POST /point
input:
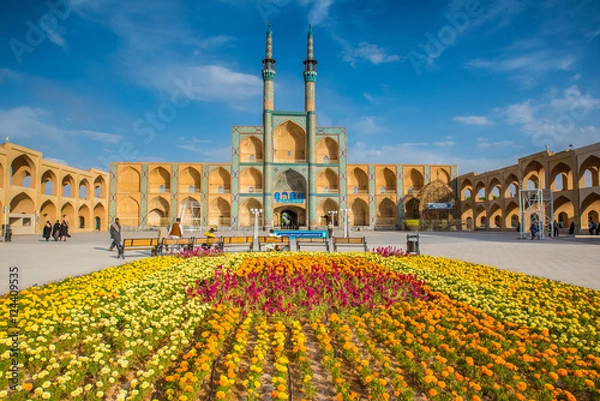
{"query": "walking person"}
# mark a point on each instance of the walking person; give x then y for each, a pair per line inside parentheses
(56, 230)
(64, 231)
(591, 226)
(115, 234)
(47, 232)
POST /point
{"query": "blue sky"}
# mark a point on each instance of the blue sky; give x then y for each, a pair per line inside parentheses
(467, 82)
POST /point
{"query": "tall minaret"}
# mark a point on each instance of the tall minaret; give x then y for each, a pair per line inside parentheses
(310, 79)
(268, 73)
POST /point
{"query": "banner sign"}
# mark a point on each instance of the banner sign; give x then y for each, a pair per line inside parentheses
(301, 234)
(289, 200)
(446, 205)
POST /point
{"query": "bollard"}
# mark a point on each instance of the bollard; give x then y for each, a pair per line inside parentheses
(412, 244)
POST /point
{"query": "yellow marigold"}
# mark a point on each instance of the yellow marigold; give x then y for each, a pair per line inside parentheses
(432, 392)
(220, 395)
(522, 386)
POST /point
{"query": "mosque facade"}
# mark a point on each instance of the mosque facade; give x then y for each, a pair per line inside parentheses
(292, 171)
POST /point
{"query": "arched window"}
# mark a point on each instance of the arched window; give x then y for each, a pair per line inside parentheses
(191, 188)
(292, 195)
(284, 195)
(251, 158)
(161, 188)
(221, 189)
(98, 192)
(326, 189)
(251, 189)
(326, 159)
(355, 190)
(301, 195)
(382, 190)
(277, 196)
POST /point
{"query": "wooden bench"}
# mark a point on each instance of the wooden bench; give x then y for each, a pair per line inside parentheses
(175, 243)
(140, 244)
(355, 242)
(278, 242)
(312, 242)
(207, 243)
(231, 242)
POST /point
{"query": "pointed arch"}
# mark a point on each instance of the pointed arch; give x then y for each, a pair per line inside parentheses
(495, 219)
(158, 212)
(495, 189)
(589, 172)
(359, 213)
(99, 187)
(440, 173)
(358, 181)
(512, 215)
(590, 207)
(159, 180)
(22, 204)
(466, 190)
(67, 213)
(291, 180)
(246, 216)
(323, 209)
(22, 169)
(99, 216)
(219, 213)
(467, 216)
(68, 186)
(251, 150)
(511, 183)
(387, 213)
(327, 181)
(327, 151)
(129, 180)
(562, 177)
(190, 180)
(84, 189)
(412, 209)
(385, 181)
(128, 211)
(289, 143)
(481, 220)
(413, 180)
(534, 173)
(480, 191)
(48, 182)
(84, 218)
(251, 180)
(48, 212)
(219, 181)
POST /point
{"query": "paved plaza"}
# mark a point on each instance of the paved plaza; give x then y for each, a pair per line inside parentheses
(568, 259)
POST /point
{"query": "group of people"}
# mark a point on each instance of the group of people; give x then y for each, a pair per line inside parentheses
(593, 228)
(58, 231)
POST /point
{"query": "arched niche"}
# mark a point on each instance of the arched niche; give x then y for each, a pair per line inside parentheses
(48, 212)
(67, 213)
(99, 187)
(386, 179)
(535, 172)
(413, 180)
(246, 217)
(589, 172)
(22, 204)
(190, 180)
(128, 211)
(387, 213)
(48, 182)
(84, 218)
(219, 181)
(159, 180)
(289, 144)
(251, 180)
(440, 173)
(158, 212)
(327, 151)
(359, 213)
(68, 186)
(358, 181)
(327, 181)
(251, 150)
(128, 180)
(84, 189)
(323, 209)
(22, 169)
(99, 216)
(219, 212)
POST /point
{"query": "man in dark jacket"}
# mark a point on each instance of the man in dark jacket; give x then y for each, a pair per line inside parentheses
(115, 234)
(47, 230)
(56, 230)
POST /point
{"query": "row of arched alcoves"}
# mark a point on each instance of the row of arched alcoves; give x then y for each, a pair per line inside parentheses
(50, 181)
(219, 211)
(129, 180)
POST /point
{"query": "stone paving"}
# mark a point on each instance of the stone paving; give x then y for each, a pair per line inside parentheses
(568, 259)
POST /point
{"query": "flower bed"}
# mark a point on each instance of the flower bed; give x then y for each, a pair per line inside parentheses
(304, 326)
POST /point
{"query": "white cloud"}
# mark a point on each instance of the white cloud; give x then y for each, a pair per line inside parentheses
(483, 143)
(57, 39)
(31, 123)
(371, 99)
(532, 62)
(577, 77)
(473, 120)
(319, 10)
(444, 144)
(366, 125)
(204, 83)
(370, 52)
(594, 34)
(557, 121)
(59, 161)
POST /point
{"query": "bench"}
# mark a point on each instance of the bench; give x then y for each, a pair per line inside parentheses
(140, 244)
(207, 243)
(231, 242)
(276, 242)
(355, 242)
(312, 242)
(175, 243)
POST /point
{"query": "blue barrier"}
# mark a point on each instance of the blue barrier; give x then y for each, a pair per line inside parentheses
(301, 233)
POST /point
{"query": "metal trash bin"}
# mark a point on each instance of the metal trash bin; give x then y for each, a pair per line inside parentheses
(412, 244)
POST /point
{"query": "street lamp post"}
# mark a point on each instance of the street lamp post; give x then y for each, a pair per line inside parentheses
(256, 213)
(344, 216)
